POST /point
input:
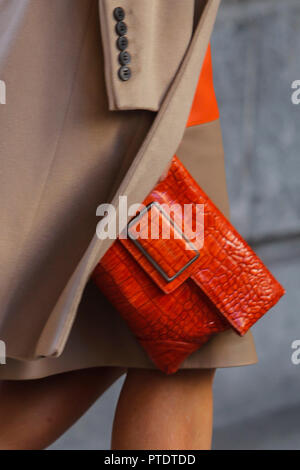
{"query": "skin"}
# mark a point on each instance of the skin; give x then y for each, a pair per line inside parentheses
(156, 411)
(34, 414)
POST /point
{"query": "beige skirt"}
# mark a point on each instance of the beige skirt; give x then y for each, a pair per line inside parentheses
(62, 154)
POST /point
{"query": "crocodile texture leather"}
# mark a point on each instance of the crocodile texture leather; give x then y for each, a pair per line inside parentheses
(226, 286)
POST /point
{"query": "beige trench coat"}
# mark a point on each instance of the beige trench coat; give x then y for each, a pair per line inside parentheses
(73, 135)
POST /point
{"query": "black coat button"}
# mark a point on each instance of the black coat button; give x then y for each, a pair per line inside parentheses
(121, 28)
(124, 73)
(124, 58)
(122, 43)
(119, 14)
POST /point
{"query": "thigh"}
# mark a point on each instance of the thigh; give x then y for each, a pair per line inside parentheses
(33, 414)
(156, 411)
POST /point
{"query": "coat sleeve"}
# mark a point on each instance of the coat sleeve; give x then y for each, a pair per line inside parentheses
(158, 34)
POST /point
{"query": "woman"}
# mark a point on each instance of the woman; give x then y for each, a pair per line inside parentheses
(84, 123)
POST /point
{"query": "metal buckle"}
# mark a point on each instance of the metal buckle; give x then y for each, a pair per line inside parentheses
(146, 254)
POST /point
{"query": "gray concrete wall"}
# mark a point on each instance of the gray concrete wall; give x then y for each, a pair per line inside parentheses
(256, 48)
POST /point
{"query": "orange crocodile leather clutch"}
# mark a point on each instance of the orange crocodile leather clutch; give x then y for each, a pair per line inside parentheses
(176, 292)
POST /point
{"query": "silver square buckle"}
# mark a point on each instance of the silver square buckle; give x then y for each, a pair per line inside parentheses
(146, 254)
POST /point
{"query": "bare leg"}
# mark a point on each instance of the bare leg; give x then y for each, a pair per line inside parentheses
(33, 414)
(156, 411)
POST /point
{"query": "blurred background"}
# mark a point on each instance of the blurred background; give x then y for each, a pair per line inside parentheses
(256, 48)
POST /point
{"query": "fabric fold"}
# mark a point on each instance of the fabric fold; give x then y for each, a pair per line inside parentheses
(150, 162)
